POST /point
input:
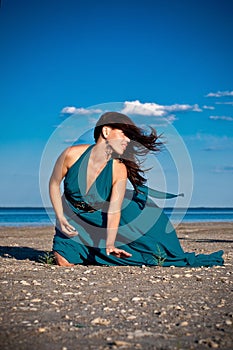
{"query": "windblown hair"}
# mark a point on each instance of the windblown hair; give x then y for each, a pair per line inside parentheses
(141, 144)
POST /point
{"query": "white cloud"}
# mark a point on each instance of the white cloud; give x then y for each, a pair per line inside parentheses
(136, 107)
(195, 108)
(225, 103)
(212, 148)
(154, 109)
(223, 117)
(224, 169)
(70, 141)
(68, 110)
(220, 94)
(208, 107)
(209, 142)
(184, 107)
(80, 111)
(163, 113)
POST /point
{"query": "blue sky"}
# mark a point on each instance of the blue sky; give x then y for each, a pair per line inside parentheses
(162, 59)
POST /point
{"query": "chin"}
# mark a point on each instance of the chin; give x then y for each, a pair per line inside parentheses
(118, 148)
(120, 151)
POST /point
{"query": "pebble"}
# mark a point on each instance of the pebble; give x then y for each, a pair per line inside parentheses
(36, 283)
(162, 313)
(224, 279)
(121, 343)
(41, 330)
(24, 283)
(228, 322)
(132, 317)
(209, 342)
(138, 333)
(205, 307)
(213, 344)
(220, 305)
(136, 299)
(180, 308)
(115, 299)
(188, 275)
(100, 321)
(108, 309)
(157, 296)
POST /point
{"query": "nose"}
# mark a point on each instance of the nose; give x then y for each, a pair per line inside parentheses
(127, 139)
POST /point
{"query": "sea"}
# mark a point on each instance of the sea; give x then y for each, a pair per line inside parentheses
(45, 216)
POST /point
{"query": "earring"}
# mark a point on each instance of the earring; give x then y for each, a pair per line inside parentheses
(108, 149)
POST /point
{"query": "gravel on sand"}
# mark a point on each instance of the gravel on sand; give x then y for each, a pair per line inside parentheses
(47, 307)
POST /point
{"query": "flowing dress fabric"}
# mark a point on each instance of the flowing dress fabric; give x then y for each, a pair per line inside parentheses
(144, 230)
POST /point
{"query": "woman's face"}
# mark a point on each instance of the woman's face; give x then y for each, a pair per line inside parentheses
(117, 140)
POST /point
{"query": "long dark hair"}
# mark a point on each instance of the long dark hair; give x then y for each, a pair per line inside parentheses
(140, 145)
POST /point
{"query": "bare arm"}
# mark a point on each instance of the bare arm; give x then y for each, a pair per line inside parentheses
(114, 211)
(61, 167)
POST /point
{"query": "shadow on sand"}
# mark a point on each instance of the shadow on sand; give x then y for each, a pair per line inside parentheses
(21, 253)
(206, 240)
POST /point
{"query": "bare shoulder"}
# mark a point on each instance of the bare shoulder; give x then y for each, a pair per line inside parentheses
(119, 170)
(73, 153)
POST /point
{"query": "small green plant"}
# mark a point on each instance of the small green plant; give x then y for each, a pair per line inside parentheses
(159, 256)
(47, 258)
(79, 325)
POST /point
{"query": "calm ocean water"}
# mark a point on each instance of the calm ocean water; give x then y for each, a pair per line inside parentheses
(42, 217)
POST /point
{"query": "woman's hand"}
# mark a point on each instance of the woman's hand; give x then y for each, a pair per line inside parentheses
(119, 253)
(66, 228)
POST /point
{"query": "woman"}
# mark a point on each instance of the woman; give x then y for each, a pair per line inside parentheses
(101, 222)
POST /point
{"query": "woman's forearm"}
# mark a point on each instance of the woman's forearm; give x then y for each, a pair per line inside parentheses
(55, 197)
(112, 228)
(63, 224)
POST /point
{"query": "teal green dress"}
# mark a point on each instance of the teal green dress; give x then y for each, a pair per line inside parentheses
(144, 230)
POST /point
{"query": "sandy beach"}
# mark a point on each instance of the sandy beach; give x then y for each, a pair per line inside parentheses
(44, 306)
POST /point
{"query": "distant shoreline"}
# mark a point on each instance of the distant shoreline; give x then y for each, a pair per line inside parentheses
(40, 216)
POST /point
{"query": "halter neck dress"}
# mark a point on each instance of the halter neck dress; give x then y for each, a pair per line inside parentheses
(144, 230)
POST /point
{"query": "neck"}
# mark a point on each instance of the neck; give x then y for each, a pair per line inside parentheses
(101, 151)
